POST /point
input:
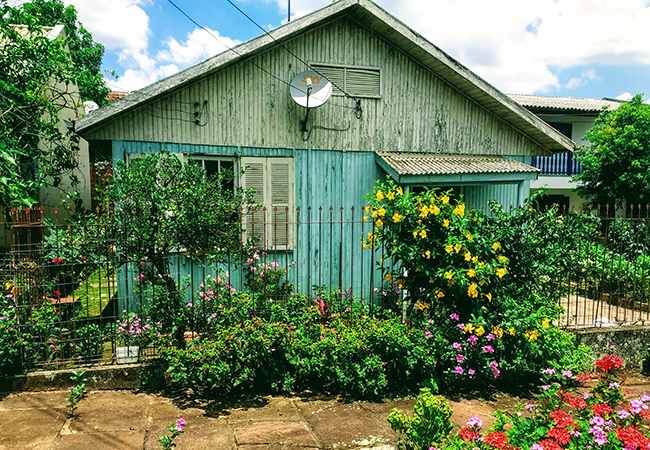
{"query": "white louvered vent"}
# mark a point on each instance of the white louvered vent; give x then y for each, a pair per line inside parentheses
(362, 82)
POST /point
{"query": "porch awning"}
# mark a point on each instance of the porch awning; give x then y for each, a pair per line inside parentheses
(428, 168)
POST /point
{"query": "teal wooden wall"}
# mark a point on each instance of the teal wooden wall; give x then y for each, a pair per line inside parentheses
(330, 190)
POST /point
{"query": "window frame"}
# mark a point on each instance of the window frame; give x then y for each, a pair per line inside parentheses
(318, 66)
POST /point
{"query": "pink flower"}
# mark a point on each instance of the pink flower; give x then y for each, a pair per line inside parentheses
(471, 371)
(456, 346)
(459, 370)
(488, 349)
(454, 316)
(428, 334)
(474, 422)
(460, 358)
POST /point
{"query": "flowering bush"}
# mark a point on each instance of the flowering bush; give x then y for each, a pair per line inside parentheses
(563, 419)
(135, 331)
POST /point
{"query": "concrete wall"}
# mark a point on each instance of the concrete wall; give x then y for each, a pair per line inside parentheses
(631, 342)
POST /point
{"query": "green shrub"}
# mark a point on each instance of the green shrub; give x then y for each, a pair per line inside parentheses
(89, 340)
(428, 427)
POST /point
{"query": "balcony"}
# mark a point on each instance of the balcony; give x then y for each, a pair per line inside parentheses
(563, 164)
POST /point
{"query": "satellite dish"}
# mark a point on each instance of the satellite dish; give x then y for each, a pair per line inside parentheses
(90, 106)
(310, 89)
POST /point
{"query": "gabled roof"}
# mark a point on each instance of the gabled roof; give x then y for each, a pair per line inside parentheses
(542, 104)
(369, 15)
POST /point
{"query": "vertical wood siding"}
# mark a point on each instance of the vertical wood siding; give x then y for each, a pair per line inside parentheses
(247, 107)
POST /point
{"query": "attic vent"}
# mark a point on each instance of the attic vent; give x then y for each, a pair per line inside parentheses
(362, 82)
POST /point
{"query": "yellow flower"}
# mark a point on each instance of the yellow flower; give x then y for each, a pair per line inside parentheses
(481, 265)
(498, 332)
(502, 259)
(379, 222)
(449, 248)
(459, 210)
(445, 223)
(372, 236)
(531, 335)
(397, 217)
(388, 277)
(427, 254)
(468, 256)
(423, 234)
(458, 247)
(512, 331)
(365, 218)
(449, 274)
(400, 282)
(475, 259)
(363, 245)
(481, 283)
(381, 212)
(422, 306)
(469, 328)
(435, 210)
(480, 331)
(381, 260)
(431, 281)
(469, 237)
(399, 190)
(415, 233)
(375, 213)
(445, 200)
(418, 269)
(471, 273)
(488, 296)
(424, 211)
(501, 271)
(419, 222)
(390, 195)
(496, 246)
(439, 294)
(7, 286)
(367, 209)
(472, 290)
(380, 196)
(432, 200)
(545, 324)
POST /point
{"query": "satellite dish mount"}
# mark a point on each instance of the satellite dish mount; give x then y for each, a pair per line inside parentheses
(310, 90)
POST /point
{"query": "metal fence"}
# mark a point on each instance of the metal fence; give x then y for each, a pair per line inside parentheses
(68, 291)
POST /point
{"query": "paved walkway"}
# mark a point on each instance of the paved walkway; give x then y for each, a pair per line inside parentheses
(128, 420)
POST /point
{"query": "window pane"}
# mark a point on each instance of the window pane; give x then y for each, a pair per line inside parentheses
(211, 167)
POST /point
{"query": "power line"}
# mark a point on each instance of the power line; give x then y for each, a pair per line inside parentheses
(290, 52)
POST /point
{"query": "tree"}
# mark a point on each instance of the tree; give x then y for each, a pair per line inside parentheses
(38, 79)
(85, 52)
(616, 164)
(162, 206)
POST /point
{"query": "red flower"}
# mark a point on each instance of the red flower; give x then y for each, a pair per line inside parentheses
(550, 444)
(609, 362)
(497, 439)
(577, 403)
(57, 294)
(601, 409)
(83, 259)
(57, 261)
(559, 434)
(562, 419)
(467, 434)
(632, 438)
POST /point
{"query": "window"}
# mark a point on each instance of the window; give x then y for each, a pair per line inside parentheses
(362, 82)
(273, 181)
(213, 165)
(564, 128)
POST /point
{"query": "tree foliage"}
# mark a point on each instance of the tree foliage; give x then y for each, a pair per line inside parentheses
(38, 79)
(616, 164)
(86, 54)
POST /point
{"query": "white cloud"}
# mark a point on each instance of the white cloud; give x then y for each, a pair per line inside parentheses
(117, 24)
(625, 97)
(519, 46)
(200, 45)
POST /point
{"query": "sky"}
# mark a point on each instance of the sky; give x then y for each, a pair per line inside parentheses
(569, 48)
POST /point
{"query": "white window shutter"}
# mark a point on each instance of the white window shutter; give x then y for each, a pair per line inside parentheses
(254, 220)
(281, 210)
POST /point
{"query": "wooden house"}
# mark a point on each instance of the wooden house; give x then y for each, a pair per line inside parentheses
(400, 106)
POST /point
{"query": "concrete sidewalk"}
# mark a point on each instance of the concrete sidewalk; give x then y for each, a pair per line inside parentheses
(129, 420)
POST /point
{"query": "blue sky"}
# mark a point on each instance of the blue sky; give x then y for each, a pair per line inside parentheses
(573, 48)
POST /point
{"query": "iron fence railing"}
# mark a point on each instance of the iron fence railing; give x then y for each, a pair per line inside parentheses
(559, 164)
(68, 290)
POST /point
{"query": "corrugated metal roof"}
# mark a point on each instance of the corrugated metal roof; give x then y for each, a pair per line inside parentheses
(564, 103)
(442, 164)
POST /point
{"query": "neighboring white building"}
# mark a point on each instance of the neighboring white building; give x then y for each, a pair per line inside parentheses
(571, 117)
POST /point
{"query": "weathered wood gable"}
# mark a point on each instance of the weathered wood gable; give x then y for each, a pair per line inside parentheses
(248, 104)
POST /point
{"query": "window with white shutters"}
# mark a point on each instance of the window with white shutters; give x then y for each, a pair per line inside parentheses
(270, 224)
(363, 82)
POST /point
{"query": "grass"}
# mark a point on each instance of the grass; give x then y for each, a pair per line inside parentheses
(95, 292)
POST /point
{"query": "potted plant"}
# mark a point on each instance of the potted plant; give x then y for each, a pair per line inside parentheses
(132, 333)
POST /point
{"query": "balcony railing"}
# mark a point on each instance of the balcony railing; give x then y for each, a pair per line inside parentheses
(560, 164)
